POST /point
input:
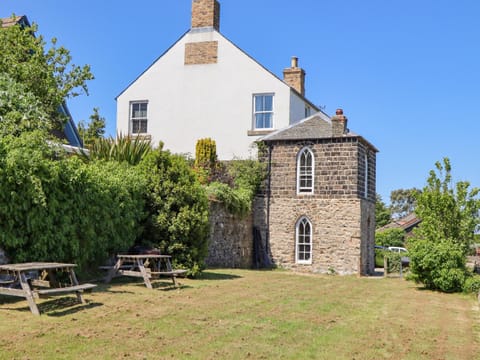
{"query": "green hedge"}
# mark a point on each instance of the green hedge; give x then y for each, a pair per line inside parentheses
(57, 208)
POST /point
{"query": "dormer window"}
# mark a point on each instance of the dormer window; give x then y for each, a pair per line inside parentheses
(263, 111)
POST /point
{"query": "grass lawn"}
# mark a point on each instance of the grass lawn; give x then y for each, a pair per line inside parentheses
(242, 314)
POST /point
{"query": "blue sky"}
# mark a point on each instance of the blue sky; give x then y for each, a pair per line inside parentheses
(406, 73)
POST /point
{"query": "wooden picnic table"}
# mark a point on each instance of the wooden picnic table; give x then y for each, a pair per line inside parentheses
(35, 279)
(146, 266)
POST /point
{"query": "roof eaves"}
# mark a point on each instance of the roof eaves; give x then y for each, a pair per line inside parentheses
(153, 63)
(283, 82)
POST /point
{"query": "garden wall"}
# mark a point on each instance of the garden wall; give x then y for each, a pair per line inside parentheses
(231, 239)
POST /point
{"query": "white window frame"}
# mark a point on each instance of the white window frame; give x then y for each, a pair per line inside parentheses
(255, 112)
(302, 172)
(300, 240)
(131, 119)
(308, 111)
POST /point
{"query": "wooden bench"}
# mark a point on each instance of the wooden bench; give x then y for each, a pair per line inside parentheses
(172, 273)
(64, 290)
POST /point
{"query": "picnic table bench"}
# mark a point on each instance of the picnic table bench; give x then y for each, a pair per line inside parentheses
(145, 266)
(18, 281)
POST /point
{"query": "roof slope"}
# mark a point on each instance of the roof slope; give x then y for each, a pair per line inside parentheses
(317, 126)
(206, 29)
(14, 20)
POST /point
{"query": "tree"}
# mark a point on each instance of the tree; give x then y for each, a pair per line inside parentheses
(46, 74)
(402, 202)
(450, 216)
(95, 129)
(382, 213)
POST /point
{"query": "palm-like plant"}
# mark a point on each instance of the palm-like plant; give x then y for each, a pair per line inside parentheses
(123, 148)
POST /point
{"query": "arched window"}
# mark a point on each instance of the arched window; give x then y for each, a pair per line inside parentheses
(303, 241)
(305, 171)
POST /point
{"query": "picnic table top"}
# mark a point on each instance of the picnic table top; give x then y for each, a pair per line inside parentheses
(35, 266)
(143, 256)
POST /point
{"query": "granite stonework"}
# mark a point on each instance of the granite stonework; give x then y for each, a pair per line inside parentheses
(341, 209)
(231, 239)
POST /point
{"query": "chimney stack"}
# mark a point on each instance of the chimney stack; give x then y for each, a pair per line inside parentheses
(295, 76)
(206, 13)
(339, 124)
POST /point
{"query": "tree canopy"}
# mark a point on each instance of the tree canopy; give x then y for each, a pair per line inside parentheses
(93, 130)
(45, 75)
(450, 216)
(403, 202)
(382, 212)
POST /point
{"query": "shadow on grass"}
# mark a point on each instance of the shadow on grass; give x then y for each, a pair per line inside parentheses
(208, 275)
(56, 307)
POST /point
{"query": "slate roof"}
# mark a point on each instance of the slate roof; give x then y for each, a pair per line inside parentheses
(317, 126)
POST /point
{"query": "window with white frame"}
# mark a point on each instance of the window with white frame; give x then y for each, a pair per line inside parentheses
(303, 241)
(308, 111)
(263, 111)
(305, 171)
(138, 117)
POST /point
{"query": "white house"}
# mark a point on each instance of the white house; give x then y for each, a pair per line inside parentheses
(205, 86)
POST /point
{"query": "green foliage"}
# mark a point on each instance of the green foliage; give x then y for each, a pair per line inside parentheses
(92, 131)
(438, 265)
(57, 208)
(472, 284)
(205, 153)
(440, 244)
(394, 261)
(45, 73)
(20, 110)
(390, 237)
(247, 177)
(382, 213)
(447, 211)
(178, 210)
(403, 202)
(237, 201)
(121, 149)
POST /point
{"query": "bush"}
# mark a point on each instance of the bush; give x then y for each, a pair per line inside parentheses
(177, 209)
(472, 284)
(56, 208)
(390, 237)
(438, 265)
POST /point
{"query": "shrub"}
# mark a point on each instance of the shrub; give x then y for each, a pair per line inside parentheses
(177, 209)
(205, 153)
(438, 265)
(472, 284)
(390, 237)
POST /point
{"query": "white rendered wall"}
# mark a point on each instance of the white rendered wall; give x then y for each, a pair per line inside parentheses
(189, 102)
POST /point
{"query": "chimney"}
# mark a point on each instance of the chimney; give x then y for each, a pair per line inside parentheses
(339, 124)
(295, 76)
(206, 13)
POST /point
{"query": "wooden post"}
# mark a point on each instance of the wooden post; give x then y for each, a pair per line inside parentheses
(385, 266)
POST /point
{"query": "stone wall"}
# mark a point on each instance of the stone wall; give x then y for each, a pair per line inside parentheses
(342, 218)
(231, 239)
